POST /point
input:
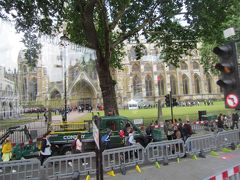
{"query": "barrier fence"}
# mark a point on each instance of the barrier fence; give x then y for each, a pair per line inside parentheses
(21, 169)
(226, 138)
(204, 143)
(171, 149)
(62, 167)
(128, 156)
(232, 173)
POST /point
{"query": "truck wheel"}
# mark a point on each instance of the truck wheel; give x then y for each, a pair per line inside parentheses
(66, 151)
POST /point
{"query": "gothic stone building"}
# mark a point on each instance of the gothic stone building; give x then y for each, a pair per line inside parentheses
(9, 102)
(146, 80)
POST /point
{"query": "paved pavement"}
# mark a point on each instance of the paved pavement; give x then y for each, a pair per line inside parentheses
(187, 169)
(73, 116)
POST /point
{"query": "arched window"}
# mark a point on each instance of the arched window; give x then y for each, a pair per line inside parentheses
(195, 65)
(137, 86)
(55, 94)
(136, 68)
(172, 67)
(25, 69)
(185, 85)
(9, 91)
(24, 92)
(209, 83)
(197, 84)
(173, 84)
(33, 89)
(160, 67)
(161, 85)
(132, 53)
(147, 67)
(184, 66)
(148, 83)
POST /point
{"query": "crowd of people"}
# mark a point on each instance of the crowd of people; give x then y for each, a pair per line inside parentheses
(223, 121)
(175, 129)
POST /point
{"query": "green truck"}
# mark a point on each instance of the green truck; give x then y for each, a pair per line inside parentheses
(63, 134)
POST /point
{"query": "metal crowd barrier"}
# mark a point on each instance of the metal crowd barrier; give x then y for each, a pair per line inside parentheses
(226, 138)
(61, 167)
(128, 156)
(20, 170)
(171, 149)
(198, 127)
(196, 144)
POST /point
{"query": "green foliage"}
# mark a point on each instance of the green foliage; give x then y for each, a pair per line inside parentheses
(113, 21)
(33, 48)
(208, 58)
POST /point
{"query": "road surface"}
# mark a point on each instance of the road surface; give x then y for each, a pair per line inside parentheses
(187, 169)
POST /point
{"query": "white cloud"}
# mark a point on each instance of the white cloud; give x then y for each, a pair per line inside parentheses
(10, 45)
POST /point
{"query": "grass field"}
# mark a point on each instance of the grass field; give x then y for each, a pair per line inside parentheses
(184, 113)
(148, 115)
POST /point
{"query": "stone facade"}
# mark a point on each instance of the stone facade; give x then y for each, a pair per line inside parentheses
(9, 102)
(146, 80)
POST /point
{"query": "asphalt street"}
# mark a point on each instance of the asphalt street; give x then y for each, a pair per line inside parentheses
(186, 169)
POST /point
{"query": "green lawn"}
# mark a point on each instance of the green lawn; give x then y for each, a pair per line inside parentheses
(148, 115)
(184, 113)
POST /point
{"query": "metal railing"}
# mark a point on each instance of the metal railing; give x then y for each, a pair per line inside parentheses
(171, 149)
(204, 143)
(20, 170)
(129, 156)
(57, 167)
(62, 167)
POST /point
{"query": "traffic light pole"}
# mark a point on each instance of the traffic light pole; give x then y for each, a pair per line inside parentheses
(171, 105)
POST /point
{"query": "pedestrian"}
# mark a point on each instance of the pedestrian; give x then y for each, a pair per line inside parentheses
(235, 119)
(77, 147)
(220, 122)
(45, 148)
(105, 139)
(132, 141)
(45, 116)
(7, 150)
(187, 130)
(122, 136)
(126, 132)
(168, 129)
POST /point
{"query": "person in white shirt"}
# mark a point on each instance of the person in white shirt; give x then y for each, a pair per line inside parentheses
(46, 148)
(132, 141)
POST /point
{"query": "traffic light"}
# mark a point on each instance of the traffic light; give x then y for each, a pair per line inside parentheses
(167, 100)
(229, 80)
(174, 102)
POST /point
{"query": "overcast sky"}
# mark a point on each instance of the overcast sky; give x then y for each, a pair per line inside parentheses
(9, 45)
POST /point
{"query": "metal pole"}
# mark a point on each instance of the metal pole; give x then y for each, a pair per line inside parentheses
(65, 83)
(171, 105)
(65, 95)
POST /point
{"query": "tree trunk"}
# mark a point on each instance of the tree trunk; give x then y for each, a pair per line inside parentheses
(107, 87)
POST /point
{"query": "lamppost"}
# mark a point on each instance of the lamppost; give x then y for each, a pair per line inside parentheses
(64, 43)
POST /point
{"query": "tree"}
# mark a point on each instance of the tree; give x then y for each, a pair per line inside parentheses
(104, 25)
